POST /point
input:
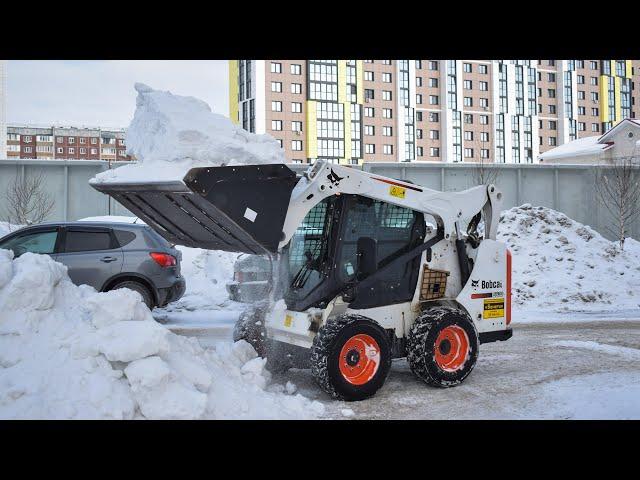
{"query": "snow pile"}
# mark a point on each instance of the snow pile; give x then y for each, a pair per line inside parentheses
(206, 274)
(561, 264)
(170, 134)
(71, 352)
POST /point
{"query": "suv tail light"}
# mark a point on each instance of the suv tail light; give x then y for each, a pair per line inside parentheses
(164, 259)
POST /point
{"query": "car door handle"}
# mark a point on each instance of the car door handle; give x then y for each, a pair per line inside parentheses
(108, 259)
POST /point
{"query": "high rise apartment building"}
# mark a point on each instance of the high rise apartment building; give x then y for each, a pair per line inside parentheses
(350, 111)
(69, 143)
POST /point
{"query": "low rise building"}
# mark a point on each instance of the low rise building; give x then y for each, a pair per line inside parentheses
(66, 143)
(621, 141)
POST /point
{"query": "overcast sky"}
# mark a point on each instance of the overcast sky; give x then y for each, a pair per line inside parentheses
(100, 93)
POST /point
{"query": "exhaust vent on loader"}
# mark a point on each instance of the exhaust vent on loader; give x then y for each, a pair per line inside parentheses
(434, 284)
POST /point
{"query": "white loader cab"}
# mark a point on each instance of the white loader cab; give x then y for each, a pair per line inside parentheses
(365, 268)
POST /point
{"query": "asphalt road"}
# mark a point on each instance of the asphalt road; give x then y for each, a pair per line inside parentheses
(576, 369)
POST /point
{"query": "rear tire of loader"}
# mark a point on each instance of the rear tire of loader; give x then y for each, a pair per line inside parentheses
(442, 346)
(350, 357)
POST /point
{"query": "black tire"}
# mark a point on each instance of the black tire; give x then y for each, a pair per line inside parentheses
(439, 356)
(250, 327)
(146, 294)
(326, 358)
(280, 356)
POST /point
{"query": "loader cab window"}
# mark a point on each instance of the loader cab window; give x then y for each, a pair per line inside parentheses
(308, 249)
(396, 231)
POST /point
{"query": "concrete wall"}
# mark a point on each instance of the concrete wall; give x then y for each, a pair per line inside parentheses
(567, 188)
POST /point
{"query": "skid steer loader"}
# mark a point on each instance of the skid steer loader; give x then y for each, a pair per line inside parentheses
(365, 268)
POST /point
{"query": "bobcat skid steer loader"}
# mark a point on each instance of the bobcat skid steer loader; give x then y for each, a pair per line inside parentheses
(365, 268)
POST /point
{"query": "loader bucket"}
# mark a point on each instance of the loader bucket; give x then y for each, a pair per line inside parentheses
(235, 209)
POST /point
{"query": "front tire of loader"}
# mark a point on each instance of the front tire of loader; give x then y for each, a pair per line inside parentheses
(250, 327)
(442, 346)
(350, 357)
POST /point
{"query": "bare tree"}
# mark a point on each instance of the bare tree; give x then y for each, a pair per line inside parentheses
(484, 171)
(27, 201)
(617, 187)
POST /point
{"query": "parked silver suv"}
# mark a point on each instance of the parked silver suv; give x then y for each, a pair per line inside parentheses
(107, 256)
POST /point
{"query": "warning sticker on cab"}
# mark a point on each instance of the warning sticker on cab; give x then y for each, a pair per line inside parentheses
(493, 308)
(396, 191)
(288, 321)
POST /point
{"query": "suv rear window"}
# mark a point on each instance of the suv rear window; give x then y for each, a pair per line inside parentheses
(79, 241)
(124, 237)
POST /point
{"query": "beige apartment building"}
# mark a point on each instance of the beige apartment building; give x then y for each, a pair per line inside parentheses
(354, 111)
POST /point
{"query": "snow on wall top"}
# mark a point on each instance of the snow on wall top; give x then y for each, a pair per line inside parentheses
(170, 134)
(582, 146)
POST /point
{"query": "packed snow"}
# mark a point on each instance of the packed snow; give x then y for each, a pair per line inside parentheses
(562, 265)
(576, 148)
(170, 134)
(67, 351)
(112, 218)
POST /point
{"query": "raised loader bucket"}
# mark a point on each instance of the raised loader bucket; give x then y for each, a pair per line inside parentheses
(236, 209)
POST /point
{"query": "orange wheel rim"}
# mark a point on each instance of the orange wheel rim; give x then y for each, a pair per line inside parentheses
(452, 348)
(359, 359)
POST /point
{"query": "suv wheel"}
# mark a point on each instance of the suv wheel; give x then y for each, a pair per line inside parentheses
(147, 296)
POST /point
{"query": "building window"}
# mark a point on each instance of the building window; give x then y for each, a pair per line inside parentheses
(387, 149)
(419, 116)
(553, 141)
(468, 102)
(483, 69)
(467, 68)
(552, 109)
(296, 88)
(296, 69)
(433, 82)
(94, 151)
(418, 133)
(418, 99)
(276, 106)
(387, 131)
(276, 124)
(28, 149)
(468, 135)
(369, 148)
(419, 151)
(484, 102)
(582, 126)
(433, 65)
(434, 152)
(434, 134)
(594, 96)
(467, 84)
(369, 130)
(551, 92)
(387, 113)
(59, 139)
(276, 67)
(418, 81)
(468, 152)
(72, 151)
(580, 79)
(484, 153)
(296, 126)
(296, 145)
(484, 86)
(593, 64)
(59, 150)
(94, 141)
(296, 107)
(468, 118)
(386, 95)
(83, 140)
(83, 151)
(369, 112)
(434, 100)
(553, 125)
(551, 77)
(368, 76)
(419, 64)
(369, 94)
(484, 136)
(594, 81)
(581, 111)
(27, 139)
(276, 87)
(595, 127)
(386, 62)
(386, 77)
(434, 117)
(484, 119)
(595, 112)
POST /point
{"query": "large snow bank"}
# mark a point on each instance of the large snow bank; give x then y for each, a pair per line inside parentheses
(561, 264)
(71, 352)
(170, 134)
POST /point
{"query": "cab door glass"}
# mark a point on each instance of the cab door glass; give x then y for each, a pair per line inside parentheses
(37, 242)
